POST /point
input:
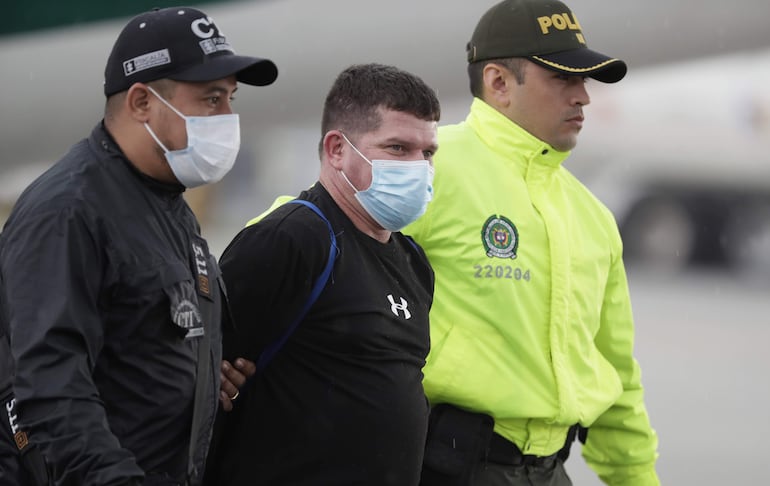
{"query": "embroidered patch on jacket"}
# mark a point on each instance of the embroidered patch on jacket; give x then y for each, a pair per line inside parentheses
(186, 315)
(500, 237)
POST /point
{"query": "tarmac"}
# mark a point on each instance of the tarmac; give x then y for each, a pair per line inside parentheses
(702, 340)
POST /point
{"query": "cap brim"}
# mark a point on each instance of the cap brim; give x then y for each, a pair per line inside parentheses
(249, 70)
(583, 62)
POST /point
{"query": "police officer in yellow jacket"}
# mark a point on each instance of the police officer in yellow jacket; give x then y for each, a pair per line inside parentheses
(531, 327)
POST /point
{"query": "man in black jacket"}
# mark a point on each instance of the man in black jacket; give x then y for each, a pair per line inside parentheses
(111, 297)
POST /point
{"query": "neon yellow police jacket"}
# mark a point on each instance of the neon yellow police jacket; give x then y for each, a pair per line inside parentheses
(531, 321)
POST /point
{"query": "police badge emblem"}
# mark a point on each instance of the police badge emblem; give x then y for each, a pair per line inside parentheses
(500, 237)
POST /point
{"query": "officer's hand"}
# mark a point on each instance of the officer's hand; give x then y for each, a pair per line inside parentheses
(233, 378)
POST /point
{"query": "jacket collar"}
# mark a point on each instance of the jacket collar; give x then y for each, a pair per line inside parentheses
(512, 142)
(101, 139)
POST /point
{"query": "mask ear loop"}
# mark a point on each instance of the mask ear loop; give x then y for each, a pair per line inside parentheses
(155, 137)
(349, 183)
(146, 126)
(150, 88)
(359, 153)
(354, 148)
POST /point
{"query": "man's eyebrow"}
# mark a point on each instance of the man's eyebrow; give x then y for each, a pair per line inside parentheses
(218, 89)
(398, 140)
(407, 143)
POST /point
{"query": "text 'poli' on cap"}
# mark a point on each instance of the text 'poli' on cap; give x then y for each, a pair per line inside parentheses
(546, 32)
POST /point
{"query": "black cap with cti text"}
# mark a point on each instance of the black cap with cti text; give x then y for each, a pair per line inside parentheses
(544, 31)
(182, 44)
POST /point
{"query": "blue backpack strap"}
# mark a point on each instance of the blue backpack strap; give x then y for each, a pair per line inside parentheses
(270, 351)
(412, 242)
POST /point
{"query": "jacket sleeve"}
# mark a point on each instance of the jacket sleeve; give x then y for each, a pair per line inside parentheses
(621, 446)
(9, 453)
(52, 266)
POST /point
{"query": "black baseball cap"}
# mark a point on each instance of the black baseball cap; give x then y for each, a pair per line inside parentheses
(544, 31)
(179, 43)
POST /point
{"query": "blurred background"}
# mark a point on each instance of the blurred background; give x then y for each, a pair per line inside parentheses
(677, 150)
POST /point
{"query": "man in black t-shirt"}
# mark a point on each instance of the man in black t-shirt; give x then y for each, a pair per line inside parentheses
(341, 402)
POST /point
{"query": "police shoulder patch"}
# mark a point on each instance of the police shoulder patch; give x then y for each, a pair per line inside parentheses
(500, 237)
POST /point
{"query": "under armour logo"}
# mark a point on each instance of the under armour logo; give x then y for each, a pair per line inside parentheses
(394, 307)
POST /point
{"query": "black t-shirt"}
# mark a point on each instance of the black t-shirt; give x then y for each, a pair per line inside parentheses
(342, 402)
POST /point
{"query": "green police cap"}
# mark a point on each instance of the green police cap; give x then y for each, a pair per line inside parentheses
(544, 31)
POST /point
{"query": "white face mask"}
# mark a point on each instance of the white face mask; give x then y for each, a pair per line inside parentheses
(212, 146)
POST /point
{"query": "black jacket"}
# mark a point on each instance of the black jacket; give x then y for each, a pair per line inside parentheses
(106, 285)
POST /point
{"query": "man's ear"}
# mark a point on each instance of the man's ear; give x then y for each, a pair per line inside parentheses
(497, 84)
(137, 102)
(333, 147)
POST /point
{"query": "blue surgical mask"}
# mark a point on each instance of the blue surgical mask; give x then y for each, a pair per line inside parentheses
(399, 193)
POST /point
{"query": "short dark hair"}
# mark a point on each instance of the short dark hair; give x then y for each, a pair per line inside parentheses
(475, 72)
(360, 90)
(164, 87)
